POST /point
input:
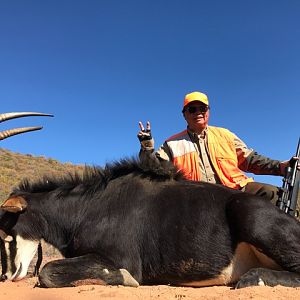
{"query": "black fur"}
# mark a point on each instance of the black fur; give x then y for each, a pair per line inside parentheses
(148, 220)
(97, 178)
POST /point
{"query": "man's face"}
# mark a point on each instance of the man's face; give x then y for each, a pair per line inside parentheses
(196, 115)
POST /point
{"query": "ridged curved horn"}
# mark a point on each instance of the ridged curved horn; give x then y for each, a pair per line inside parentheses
(7, 133)
(14, 115)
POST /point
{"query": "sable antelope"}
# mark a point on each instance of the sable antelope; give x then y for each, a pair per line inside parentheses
(133, 223)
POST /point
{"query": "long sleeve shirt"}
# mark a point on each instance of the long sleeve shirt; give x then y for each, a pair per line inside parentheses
(248, 159)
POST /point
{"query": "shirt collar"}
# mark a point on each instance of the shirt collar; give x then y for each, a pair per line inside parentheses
(196, 136)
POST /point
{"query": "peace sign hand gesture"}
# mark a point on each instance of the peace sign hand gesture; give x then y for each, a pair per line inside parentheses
(145, 137)
(144, 134)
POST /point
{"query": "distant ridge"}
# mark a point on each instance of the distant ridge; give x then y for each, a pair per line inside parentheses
(15, 166)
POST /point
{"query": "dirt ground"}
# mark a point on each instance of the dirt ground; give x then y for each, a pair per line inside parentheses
(25, 290)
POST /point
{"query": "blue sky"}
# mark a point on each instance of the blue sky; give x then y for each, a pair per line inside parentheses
(102, 66)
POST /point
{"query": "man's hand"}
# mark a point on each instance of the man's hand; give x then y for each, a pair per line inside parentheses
(144, 134)
(145, 137)
(289, 163)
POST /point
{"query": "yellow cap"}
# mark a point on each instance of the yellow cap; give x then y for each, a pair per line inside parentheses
(195, 96)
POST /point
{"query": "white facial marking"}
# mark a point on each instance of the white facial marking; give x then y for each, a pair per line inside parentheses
(25, 251)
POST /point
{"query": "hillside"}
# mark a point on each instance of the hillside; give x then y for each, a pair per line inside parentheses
(15, 166)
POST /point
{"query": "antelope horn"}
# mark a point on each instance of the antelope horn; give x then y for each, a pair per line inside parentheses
(7, 133)
(14, 115)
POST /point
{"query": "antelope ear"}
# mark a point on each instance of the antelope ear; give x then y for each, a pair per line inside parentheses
(14, 204)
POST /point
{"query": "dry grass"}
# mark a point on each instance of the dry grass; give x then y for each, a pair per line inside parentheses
(15, 166)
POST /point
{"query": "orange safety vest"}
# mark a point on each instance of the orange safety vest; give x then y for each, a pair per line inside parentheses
(222, 154)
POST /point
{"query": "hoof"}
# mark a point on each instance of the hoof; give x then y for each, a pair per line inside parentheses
(128, 280)
(251, 278)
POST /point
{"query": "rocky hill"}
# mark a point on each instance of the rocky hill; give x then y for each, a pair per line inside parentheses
(15, 166)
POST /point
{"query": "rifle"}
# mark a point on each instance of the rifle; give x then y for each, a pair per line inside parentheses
(288, 195)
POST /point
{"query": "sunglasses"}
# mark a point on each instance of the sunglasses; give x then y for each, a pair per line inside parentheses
(193, 109)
